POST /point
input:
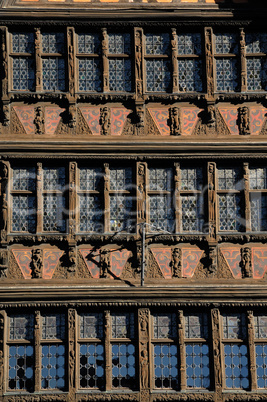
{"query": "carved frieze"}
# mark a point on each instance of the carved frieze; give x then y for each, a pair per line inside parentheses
(3, 263)
(16, 127)
(151, 127)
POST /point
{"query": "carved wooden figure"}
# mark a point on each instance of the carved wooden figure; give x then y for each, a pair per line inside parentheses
(212, 259)
(4, 55)
(247, 196)
(246, 264)
(104, 263)
(38, 59)
(181, 333)
(71, 62)
(174, 60)
(244, 120)
(72, 259)
(175, 125)
(243, 60)
(138, 62)
(3, 263)
(4, 217)
(105, 60)
(105, 120)
(37, 340)
(212, 200)
(176, 263)
(39, 120)
(37, 263)
(209, 61)
(141, 191)
(251, 350)
(143, 319)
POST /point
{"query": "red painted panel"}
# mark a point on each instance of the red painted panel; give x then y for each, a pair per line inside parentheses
(92, 260)
(161, 117)
(51, 259)
(26, 117)
(230, 117)
(190, 260)
(259, 262)
(52, 118)
(24, 258)
(92, 116)
(118, 118)
(163, 257)
(233, 258)
(257, 118)
(189, 120)
(118, 259)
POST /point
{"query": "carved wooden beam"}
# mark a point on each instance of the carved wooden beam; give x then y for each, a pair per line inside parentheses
(72, 199)
(251, 350)
(143, 332)
(181, 352)
(37, 345)
(108, 358)
(217, 358)
(38, 60)
(212, 200)
(141, 177)
(243, 61)
(209, 61)
(72, 354)
(105, 60)
(139, 65)
(174, 61)
(71, 62)
(246, 196)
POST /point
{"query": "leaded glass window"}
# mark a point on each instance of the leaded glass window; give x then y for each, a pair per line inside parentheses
(53, 62)
(158, 67)
(235, 351)
(89, 65)
(260, 331)
(256, 50)
(120, 70)
(189, 62)
(258, 198)
(23, 66)
(226, 64)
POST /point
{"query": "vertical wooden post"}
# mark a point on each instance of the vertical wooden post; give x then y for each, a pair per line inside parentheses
(108, 357)
(243, 60)
(174, 61)
(141, 195)
(144, 377)
(251, 350)
(138, 45)
(246, 196)
(38, 59)
(212, 200)
(209, 62)
(71, 62)
(105, 60)
(4, 71)
(72, 353)
(181, 352)
(72, 199)
(37, 350)
(217, 358)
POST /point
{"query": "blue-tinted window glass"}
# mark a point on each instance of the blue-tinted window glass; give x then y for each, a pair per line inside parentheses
(90, 75)
(119, 43)
(23, 42)
(123, 366)
(226, 75)
(258, 210)
(120, 75)
(165, 366)
(53, 42)
(189, 75)
(23, 213)
(236, 366)
(256, 74)
(53, 367)
(197, 365)
(89, 43)
(189, 44)
(161, 212)
(158, 75)
(160, 179)
(23, 74)
(92, 366)
(226, 43)
(256, 42)
(53, 74)
(157, 44)
(91, 216)
(261, 365)
(21, 368)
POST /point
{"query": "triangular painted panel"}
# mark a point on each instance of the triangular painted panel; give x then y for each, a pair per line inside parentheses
(230, 116)
(92, 260)
(118, 118)
(51, 259)
(52, 118)
(189, 120)
(26, 116)
(92, 116)
(259, 262)
(118, 259)
(163, 257)
(190, 260)
(257, 119)
(161, 117)
(233, 257)
(24, 258)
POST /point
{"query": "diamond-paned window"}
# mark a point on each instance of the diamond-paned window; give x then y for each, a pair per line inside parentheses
(122, 325)
(256, 50)
(226, 52)
(165, 325)
(89, 63)
(23, 65)
(53, 326)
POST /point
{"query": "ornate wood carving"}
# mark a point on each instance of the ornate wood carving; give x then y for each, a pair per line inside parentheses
(39, 120)
(175, 124)
(223, 271)
(106, 195)
(174, 61)
(143, 327)
(217, 359)
(141, 191)
(6, 114)
(4, 217)
(37, 263)
(244, 120)
(71, 329)
(246, 194)
(138, 34)
(37, 338)
(151, 128)
(243, 61)
(211, 116)
(212, 260)
(140, 113)
(181, 333)
(71, 62)
(105, 120)
(176, 263)
(177, 188)
(72, 116)
(153, 270)
(72, 199)
(105, 60)
(82, 126)
(4, 54)
(104, 263)
(14, 271)
(38, 59)
(2, 360)
(3, 263)
(62, 128)
(251, 348)
(39, 190)
(16, 127)
(72, 263)
(246, 264)
(82, 270)
(209, 61)
(212, 200)
(108, 350)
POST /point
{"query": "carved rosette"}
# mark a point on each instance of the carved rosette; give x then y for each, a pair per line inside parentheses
(105, 120)
(252, 356)
(215, 318)
(212, 199)
(244, 120)
(71, 330)
(181, 349)
(138, 35)
(141, 191)
(143, 327)
(176, 262)
(209, 61)
(39, 120)
(246, 263)
(71, 62)
(175, 121)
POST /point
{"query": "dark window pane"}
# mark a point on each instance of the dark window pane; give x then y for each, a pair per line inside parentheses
(165, 366)
(89, 43)
(22, 42)
(91, 213)
(192, 213)
(230, 179)
(120, 75)
(21, 327)
(158, 75)
(119, 43)
(23, 74)
(54, 178)
(197, 366)
(236, 366)
(191, 179)
(226, 75)
(189, 43)
(258, 210)
(91, 325)
(21, 368)
(53, 74)
(53, 367)
(165, 325)
(53, 217)
(123, 366)
(196, 325)
(234, 326)
(90, 75)
(160, 179)
(161, 212)
(157, 44)
(92, 366)
(189, 75)
(24, 179)
(261, 365)
(53, 42)
(122, 325)
(23, 213)
(53, 326)
(256, 74)
(226, 43)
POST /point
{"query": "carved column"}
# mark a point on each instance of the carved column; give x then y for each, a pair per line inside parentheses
(4, 63)
(251, 350)
(143, 328)
(104, 263)
(212, 200)
(217, 358)
(138, 35)
(71, 62)
(108, 358)
(209, 62)
(176, 262)
(39, 190)
(174, 61)
(243, 61)
(72, 352)
(5, 169)
(244, 120)
(72, 200)
(38, 59)
(246, 262)
(105, 60)
(39, 120)
(141, 191)
(177, 189)
(246, 196)
(175, 121)
(105, 120)
(2, 357)
(37, 342)
(106, 197)
(181, 350)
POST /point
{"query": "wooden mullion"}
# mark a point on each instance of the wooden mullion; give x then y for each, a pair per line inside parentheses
(107, 347)
(144, 355)
(37, 350)
(3, 351)
(105, 60)
(177, 195)
(38, 60)
(39, 198)
(181, 351)
(5, 64)
(106, 198)
(217, 353)
(141, 176)
(246, 196)
(175, 77)
(71, 61)
(209, 61)
(243, 61)
(72, 198)
(139, 62)
(212, 200)
(72, 369)
(251, 350)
